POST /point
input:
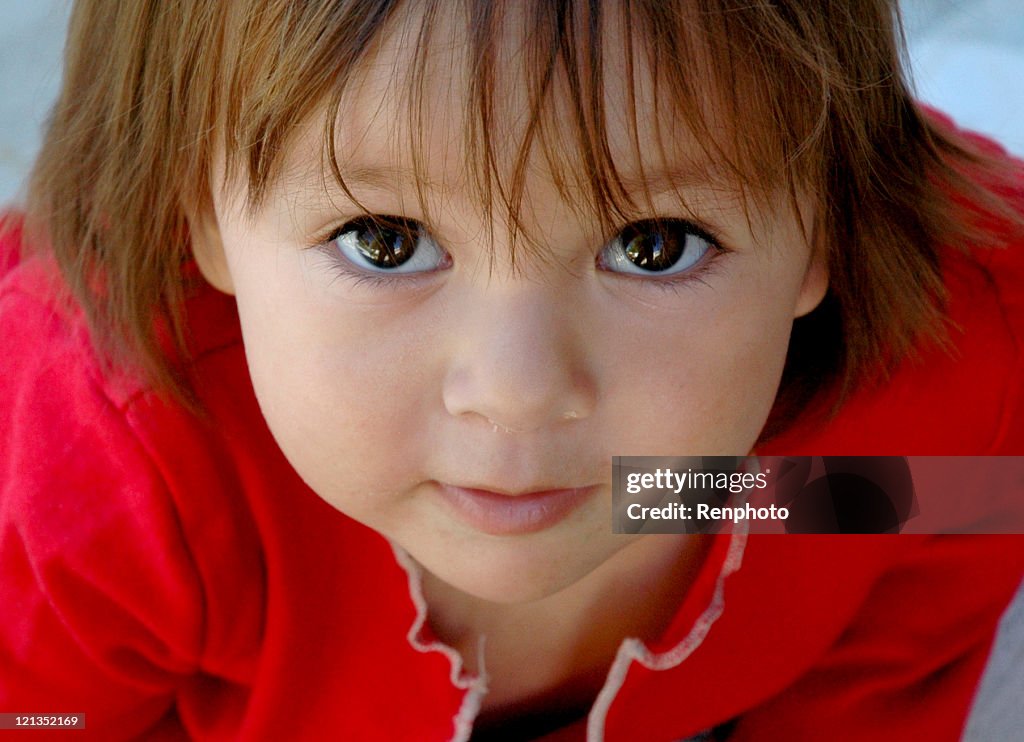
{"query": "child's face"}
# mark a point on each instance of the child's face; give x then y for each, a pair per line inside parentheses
(398, 394)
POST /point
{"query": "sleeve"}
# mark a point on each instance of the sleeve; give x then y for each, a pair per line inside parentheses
(102, 609)
(909, 666)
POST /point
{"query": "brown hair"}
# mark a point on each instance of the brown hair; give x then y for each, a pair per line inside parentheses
(809, 97)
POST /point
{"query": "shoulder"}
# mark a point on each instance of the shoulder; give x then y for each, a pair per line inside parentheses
(124, 524)
(89, 438)
(78, 481)
(85, 522)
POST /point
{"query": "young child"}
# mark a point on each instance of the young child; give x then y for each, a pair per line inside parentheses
(329, 317)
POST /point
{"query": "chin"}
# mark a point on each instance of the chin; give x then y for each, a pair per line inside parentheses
(511, 591)
(514, 573)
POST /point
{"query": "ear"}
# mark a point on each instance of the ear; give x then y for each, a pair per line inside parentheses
(208, 250)
(814, 286)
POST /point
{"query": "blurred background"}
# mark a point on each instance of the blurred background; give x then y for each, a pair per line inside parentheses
(967, 57)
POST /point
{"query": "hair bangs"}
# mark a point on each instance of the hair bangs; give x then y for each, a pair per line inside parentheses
(677, 73)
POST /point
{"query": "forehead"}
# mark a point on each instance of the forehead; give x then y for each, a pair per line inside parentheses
(447, 101)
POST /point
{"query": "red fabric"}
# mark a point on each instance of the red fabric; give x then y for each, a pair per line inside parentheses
(10, 242)
(169, 576)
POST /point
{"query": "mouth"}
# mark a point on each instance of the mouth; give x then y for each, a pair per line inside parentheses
(508, 514)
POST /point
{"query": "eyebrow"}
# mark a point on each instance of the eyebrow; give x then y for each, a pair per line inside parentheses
(379, 178)
(391, 179)
(657, 179)
(383, 177)
(660, 180)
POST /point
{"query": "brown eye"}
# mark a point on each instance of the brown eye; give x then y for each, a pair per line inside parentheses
(389, 244)
(656, 246)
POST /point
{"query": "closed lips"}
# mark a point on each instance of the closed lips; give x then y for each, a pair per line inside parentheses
(499, 513)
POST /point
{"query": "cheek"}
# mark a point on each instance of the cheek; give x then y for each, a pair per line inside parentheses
(703, 384)
(344, 394)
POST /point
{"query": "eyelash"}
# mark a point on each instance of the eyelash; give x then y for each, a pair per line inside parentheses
(697, 275)
(345, 270)
(706, 266)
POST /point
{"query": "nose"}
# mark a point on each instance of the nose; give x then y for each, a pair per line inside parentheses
(520, 363)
